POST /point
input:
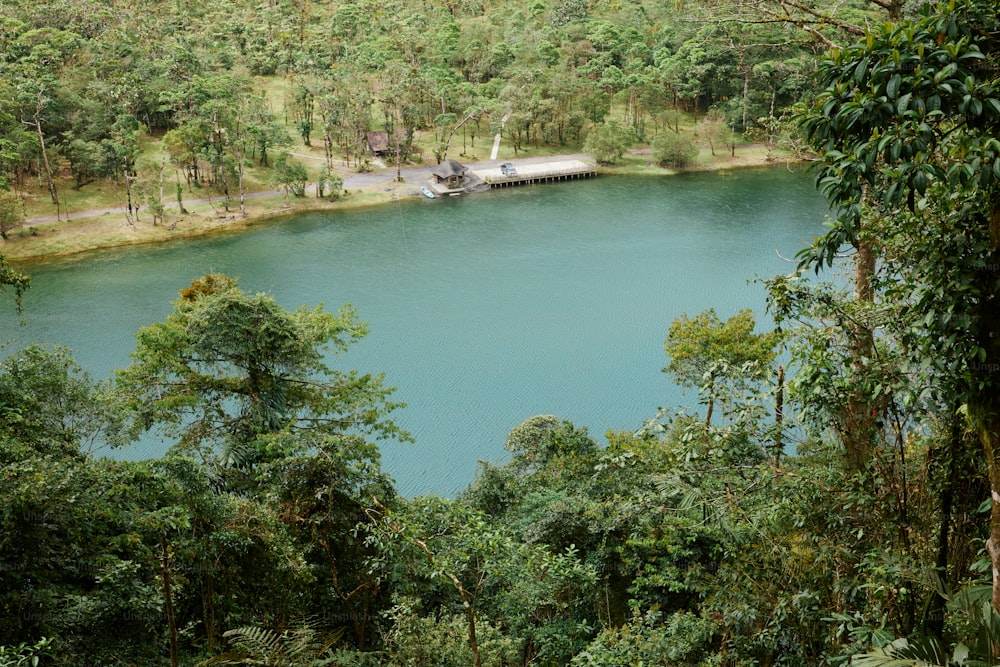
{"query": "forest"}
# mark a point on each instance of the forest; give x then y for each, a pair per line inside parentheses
(827, 500)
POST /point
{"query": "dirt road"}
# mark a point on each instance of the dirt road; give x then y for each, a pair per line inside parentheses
(415, 176)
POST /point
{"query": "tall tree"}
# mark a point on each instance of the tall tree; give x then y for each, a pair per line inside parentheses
(235, 371)
(704, 350)
(907, 123)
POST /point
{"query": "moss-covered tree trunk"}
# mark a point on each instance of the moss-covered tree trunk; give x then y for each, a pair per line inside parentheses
(858, 430)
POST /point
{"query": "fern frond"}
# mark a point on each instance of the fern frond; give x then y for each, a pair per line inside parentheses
(903, 653)
(263, 646)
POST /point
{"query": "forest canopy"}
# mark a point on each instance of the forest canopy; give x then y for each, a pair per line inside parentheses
(269, 533)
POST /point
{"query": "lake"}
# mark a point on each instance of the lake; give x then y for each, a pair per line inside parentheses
(484, 309)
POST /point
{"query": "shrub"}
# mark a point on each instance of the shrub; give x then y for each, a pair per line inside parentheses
(609, 142)
(673, 150)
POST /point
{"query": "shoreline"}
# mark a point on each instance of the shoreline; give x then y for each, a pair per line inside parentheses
(42, 239)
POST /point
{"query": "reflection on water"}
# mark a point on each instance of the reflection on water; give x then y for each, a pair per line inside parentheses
(484, 310)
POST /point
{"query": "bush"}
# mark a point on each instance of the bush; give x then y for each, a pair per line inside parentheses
(442, 640)
(682, 639)
(609, 142)
(673, 150)
(289, 174)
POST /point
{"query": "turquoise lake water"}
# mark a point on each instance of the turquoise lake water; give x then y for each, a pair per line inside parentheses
(484, 310)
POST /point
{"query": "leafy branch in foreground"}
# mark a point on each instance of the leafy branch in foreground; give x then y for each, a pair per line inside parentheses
(11, 278)
(983, 628)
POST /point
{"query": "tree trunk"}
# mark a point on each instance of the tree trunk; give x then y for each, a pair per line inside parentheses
(129, 210)
(168, 599)
(208, 607)
(158, 213)
(746, 92)
(711, 404)
(934, 624)
(779, 416)
(470, 614)
(858, 427)
(993, 543)
(45, 153)
(984, 408)
(180, 199)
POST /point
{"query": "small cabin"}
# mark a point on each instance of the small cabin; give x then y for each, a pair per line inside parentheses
(380, 143)
(451, 174)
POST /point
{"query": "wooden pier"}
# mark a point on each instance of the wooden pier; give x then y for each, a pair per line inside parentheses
(541, 172)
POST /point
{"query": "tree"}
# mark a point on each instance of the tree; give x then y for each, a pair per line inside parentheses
(11, 213)
(182, 144)
(609, 142)
(536, 441)
(85, 160)
(150, 175)
(236, 371)
(456, 548)
(48, 405)
(704, 349)
(120, 152)
(907, 125)
(670, 149)
(713, 128)
(290, 175)
(80, 570)
(328, 178)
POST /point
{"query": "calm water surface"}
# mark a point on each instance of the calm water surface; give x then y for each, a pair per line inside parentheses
(484, 310)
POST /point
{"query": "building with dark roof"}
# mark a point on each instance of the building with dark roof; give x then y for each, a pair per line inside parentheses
(451, 174)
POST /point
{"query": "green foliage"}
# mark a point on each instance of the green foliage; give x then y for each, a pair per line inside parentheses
(49, 406)
(10, 277)
(679, 543)
(24, 655)
(237, 371)
(11, 212)
(289, 174)
(713, 128)
(78, 571)
(538, 440)
(696, 344)
(907, 122)
(332, 180)
(670, 149)
(977, 648)
(719, 358)
(417, 639)
(609, 142)
(300, 647)
(682, 640)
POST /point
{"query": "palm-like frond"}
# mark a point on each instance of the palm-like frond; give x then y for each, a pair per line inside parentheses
(920, 652)
(974, 602)
(253, 645)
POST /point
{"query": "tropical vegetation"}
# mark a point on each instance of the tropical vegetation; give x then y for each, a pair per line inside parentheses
(827, 500)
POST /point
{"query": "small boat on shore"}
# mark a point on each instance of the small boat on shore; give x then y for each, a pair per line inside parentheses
(427, 192)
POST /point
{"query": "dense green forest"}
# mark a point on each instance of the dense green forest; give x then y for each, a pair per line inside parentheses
(827, 502)
(224, 89)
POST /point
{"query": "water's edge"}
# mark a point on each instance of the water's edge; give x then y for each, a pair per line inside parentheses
(484, 310)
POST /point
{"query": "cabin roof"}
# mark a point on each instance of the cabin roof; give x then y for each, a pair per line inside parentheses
(450, 169)
(378, 140)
